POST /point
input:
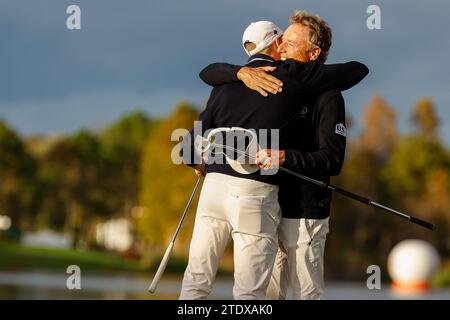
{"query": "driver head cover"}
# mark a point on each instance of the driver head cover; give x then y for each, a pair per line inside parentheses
(242, 164)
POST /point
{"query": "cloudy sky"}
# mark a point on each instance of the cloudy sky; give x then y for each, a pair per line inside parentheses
(147, 54)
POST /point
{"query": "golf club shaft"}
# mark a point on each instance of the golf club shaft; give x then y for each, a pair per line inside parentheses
(186, 209)
(165, 259)
(361, 199)
(415, 220)
(346, 193)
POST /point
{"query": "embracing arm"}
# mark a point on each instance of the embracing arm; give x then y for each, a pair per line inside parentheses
(206, 121)
(255, 78)
(314, 77)
(219, 73)
(317, 77)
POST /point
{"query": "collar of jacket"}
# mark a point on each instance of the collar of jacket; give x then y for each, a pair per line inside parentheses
(260, 56)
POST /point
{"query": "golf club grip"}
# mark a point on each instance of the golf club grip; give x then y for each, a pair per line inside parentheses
(161, 268)
(421, 223)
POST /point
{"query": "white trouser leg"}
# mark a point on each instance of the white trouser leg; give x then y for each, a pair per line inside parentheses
(248, 210)
(279, 280)
(304, 240)
(255, 215)
(209, 239)
(253, 262)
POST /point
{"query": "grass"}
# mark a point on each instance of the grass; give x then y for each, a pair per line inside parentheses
(18, 256)
(442, 278)
(13, 256)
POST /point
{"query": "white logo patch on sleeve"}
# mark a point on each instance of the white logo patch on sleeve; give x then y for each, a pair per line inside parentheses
(340, 129)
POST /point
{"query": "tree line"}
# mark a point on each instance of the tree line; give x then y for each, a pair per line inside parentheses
(72, 182)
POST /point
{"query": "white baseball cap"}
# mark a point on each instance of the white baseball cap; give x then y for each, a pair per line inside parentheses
(262, 34)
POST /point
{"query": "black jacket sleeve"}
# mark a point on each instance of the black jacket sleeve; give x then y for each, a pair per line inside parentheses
(317, 77)
(207, 121)
(328, 159)
(314, 77)
(219, 73)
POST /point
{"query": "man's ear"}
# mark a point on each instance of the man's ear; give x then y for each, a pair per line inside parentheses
(249, 46)
(278, 42)
(314, 54)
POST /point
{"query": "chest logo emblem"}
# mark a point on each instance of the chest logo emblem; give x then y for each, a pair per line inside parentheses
(304, 112)
(340, 129)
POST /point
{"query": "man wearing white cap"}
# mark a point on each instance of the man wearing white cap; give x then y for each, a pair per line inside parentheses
(245, 206)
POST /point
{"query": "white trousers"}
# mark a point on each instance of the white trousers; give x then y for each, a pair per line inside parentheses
(299, 261)
(246, 211)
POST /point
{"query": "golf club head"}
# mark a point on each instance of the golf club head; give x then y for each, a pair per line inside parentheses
(161, 269)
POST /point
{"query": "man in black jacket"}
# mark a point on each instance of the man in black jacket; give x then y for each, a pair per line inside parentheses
(316, 148)
(245, 205)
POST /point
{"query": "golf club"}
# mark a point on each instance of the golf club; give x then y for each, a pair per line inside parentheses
(165, 259)
(346, 193)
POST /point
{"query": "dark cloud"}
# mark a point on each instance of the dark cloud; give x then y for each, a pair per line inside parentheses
(149, 53)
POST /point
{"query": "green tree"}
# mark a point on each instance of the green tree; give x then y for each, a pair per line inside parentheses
(86, 177)
(411, 163)
(50, 181)
(418, 179)
(425, 119)
(122, 144)
(165, 187)
(380, 130)
(72, 186)
(17, 175)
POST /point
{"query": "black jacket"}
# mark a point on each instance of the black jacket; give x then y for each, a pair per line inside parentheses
(317, 151)
(234, 105)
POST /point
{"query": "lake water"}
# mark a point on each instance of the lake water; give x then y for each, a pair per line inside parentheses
(36, 284)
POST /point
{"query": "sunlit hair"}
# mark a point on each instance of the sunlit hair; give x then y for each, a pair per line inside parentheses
(320, 34)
